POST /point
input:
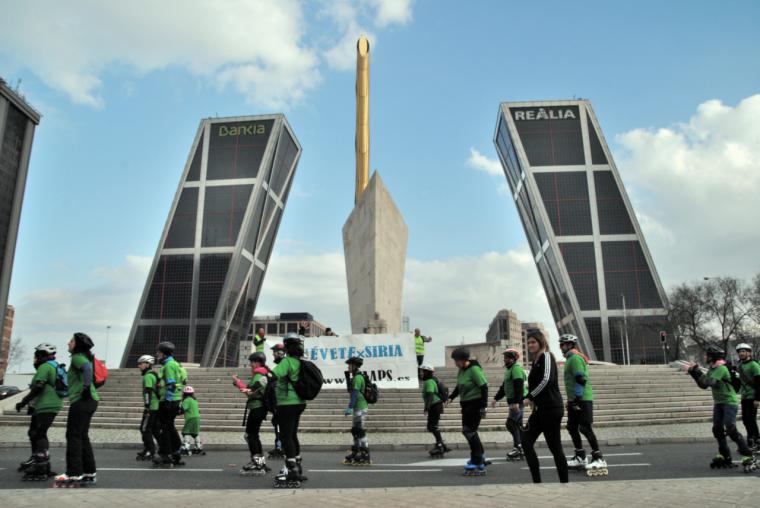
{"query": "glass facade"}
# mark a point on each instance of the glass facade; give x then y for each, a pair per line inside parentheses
(10, 160)
(570, 208)
(204, 296)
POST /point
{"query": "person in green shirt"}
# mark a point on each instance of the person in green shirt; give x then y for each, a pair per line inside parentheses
(433, 409)
(419, 345)
(44, 404)
(726, 405)
(749, 374)
(278, 353)
(83, 400)
(472, 390)
(170, 395)
(149, 423)
(255, 412)
(357, 409)
(260, 340)
(290, 407)
(515, 389)
(191, 431)
(580, 408)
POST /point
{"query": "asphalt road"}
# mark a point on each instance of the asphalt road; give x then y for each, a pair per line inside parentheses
(117, 468)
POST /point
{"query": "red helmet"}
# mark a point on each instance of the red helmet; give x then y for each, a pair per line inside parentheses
(511, 352)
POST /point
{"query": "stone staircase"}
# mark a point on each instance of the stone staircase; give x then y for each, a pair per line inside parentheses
(624, 396)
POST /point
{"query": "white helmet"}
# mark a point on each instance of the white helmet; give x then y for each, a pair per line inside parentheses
(146, 359)
(743, 345)
(46, 348)
(428, 368)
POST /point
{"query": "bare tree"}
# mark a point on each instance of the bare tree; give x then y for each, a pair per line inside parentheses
(688, 314)
(16, 352)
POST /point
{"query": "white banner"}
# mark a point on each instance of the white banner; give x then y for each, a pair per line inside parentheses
(389, 359)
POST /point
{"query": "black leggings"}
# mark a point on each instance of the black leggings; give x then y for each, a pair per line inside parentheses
(433, 417)
(749, 419)
(579, 422)
(549, 422)
(470, 423)
(252, 428)
(79, 456)
(169, 442)
(288, 418)
(276, 428)
(149, 430)
(38, 429)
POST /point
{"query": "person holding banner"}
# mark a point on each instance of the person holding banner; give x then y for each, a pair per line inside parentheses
(472, 388)
(419, 345)
(357, 408)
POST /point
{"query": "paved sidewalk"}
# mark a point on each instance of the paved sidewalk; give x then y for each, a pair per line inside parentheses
(13, 436)
(722, 492)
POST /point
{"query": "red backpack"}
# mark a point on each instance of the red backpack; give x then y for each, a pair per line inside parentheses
(99, 372)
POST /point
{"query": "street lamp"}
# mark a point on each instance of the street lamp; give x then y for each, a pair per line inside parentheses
(625, 324)
(108, 333)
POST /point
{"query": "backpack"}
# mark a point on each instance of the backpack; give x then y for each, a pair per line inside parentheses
(61, 379)
(736, 380)
(309, 382)
(99, 372)
(371, 393)
(270, 398)
(443, 390)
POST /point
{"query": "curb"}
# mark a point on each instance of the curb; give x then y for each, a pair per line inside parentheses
(492, 445)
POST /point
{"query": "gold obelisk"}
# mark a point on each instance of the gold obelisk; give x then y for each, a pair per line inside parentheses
(362, 116)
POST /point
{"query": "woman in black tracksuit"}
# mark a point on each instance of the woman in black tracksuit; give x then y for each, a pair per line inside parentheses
(548, 407)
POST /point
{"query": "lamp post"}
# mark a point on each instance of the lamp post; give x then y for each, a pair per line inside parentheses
(108, 333)
(625, 324)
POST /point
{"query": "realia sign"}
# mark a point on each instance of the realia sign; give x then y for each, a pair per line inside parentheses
(544, 114)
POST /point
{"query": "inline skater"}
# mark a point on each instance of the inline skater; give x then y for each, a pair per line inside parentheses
(472, 388)
(431, 395)
(514, 388)
(83, 402)
(256, 412)
(278, 353)
(726, 405)
(580, 409)
(290, 406)
(749, 374)
(357, 409)
(170, 395)
(45, 402)
(149, 423)
(546, 399)
(191, 431)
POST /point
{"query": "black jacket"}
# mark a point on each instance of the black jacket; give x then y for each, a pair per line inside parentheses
(543, 388)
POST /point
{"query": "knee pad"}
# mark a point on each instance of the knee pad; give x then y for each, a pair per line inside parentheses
(512, 426)
(431, 427)
(469, 433)
(585, 428)
(355, 432)
(718, 432)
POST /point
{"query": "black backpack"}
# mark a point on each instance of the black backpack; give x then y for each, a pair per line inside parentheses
(309, 381)
(736, 380)
(270, 398)
(371, 392)
(443, 390)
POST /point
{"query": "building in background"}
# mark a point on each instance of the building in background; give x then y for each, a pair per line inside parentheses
(287, 322)
(5, 342)
(17, 123)
(599, 277)
(206, 277)
(505, 329)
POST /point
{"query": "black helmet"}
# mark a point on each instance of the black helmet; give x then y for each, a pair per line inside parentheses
(460, 353)
(293, 344)
(166, 348)
(714, 352)
(83, 341)
(258, 357)
(355, 360)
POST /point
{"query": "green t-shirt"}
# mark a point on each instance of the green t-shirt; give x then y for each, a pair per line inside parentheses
(150, 382)
(255, 399)
(575, 364)
(190, 408)
(171, 372)
(48, 401)
(359, 384)
(469, 382)
(430, 392)
(284, 390)
(76, 378)
(514, 372)
(748, 371)
(722, 392)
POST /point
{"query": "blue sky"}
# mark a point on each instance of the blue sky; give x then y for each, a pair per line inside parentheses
(121, 106)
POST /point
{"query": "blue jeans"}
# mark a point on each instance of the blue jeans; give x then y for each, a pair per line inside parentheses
(514, 425)
(724, 424)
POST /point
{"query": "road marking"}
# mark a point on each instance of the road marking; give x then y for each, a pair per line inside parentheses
(160, 469)
(460, 462)
(643, 464)
(370, 470)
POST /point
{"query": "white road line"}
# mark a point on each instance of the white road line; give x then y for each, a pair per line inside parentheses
(631, 454)
(179, 469)
(643, 464)
(370, 470)
(459, 462)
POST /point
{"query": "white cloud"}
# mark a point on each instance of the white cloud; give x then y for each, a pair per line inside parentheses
(696, 187)
(256, 47)
(393, 11)
(480, 162)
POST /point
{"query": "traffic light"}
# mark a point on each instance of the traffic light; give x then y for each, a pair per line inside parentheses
(663, 336)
